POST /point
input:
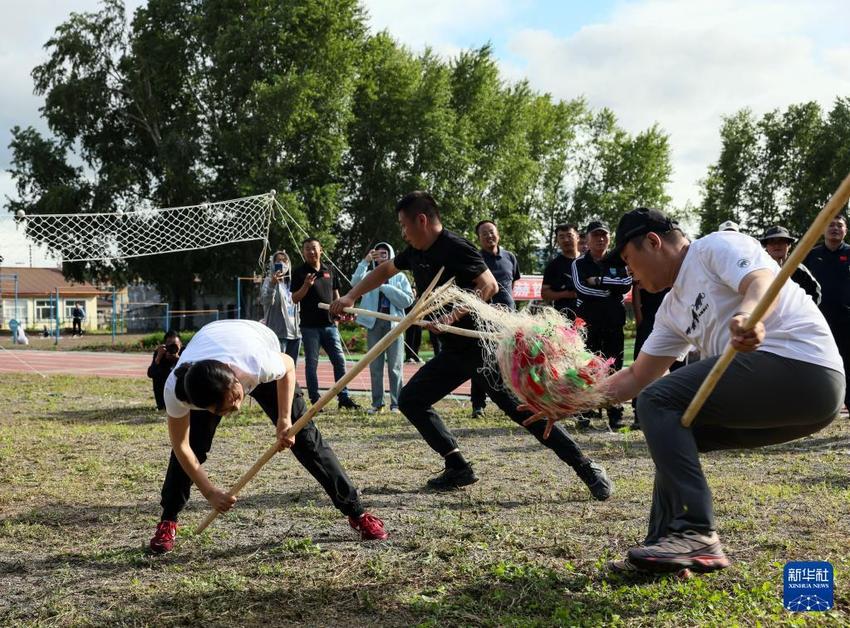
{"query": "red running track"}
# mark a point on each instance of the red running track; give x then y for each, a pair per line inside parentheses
(106, 364)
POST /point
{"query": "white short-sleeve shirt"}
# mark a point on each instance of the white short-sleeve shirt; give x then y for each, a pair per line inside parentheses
(705, 297)
(250, 346)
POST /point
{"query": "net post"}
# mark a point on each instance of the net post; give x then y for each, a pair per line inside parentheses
(113, 315)
(56, 338)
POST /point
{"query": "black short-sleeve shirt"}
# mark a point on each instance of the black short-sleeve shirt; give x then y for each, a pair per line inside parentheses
(461, 260)
(322, 291)
(559, 276)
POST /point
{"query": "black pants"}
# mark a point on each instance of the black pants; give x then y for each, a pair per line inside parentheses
(412, 340)
(841, 332)
(448, 370)
(158, 392)
(436, 343)
(641, 334)
(477, 394)
(77, 326)
(310, 450)
(762, 399)
(608, 340)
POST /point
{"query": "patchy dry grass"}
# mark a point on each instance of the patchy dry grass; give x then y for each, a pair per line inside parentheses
(81, 462)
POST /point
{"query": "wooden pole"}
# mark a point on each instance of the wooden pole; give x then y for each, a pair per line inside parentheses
(458, 331)
(830, 210)
(374, 352)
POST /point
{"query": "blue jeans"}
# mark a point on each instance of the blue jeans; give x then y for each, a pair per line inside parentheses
(329, 340)
(393, 356)
(290, 348)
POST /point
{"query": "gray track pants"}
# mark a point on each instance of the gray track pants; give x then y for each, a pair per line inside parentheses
(762, 399)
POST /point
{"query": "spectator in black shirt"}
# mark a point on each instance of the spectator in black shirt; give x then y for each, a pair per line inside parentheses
(77, 316)
(777, 242)
(830, 265)
(314, 283)
(164, 359)
(432, 247)
(505, 268)
(601, 289)
(558, 284)
(645, 305)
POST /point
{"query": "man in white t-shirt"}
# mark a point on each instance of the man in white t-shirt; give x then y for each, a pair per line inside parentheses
(225, 361)
(785, 382)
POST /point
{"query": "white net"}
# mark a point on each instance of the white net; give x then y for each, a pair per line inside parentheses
(150, 231)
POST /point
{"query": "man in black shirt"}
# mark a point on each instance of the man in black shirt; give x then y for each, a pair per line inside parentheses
(777, 242)
(314, 283)
(558, 284)
(601, 289)
(163, 362)
(830, 264)
(432, 247)
(505, 268)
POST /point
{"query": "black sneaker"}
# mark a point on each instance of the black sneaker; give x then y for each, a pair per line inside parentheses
(597, 480)
(635, 426)
(477, 413)
(582, 423)
(347, 403)
(451, 479)
(681, 550)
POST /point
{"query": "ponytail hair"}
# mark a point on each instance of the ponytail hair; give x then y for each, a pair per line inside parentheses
(204, 383)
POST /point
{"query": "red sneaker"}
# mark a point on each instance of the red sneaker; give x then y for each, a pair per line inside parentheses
(163, 539)
(370, 527)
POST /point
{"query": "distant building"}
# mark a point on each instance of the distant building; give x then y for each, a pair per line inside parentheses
(35, 306)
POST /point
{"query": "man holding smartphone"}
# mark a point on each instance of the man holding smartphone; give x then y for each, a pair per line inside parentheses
(164, 359)
(279, 310)
(314, 283)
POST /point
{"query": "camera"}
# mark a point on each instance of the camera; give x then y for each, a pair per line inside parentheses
(172, 348)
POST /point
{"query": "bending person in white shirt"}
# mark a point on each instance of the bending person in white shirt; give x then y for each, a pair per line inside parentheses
(225, 361)
(786, 382)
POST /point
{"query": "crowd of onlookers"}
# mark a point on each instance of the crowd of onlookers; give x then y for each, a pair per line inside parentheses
(576, 281)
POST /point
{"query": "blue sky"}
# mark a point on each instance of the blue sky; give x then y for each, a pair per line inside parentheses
(682, 64)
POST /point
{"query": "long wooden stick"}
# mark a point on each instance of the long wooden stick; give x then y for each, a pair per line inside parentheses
(830, 210)
(374, 352)
(458, 331)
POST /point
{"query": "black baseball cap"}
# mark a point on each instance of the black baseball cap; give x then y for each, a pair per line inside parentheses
(778, 233)
(636, 223)
(597, 225)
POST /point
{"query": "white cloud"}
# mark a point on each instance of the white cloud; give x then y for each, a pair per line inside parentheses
(686, 64)
(443, 25)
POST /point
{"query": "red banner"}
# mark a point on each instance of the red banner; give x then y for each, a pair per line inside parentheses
(527, 288)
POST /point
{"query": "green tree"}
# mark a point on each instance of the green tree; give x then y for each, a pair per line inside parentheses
(198, 99)
(778, 169)
(614, 172)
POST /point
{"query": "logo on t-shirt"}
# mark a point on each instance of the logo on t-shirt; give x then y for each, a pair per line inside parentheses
(743, 262)
(697, 310)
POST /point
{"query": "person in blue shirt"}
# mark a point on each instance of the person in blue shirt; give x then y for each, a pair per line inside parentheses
(392, 297)
(505, 268)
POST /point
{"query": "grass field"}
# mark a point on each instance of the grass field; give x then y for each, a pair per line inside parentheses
(81, 462)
